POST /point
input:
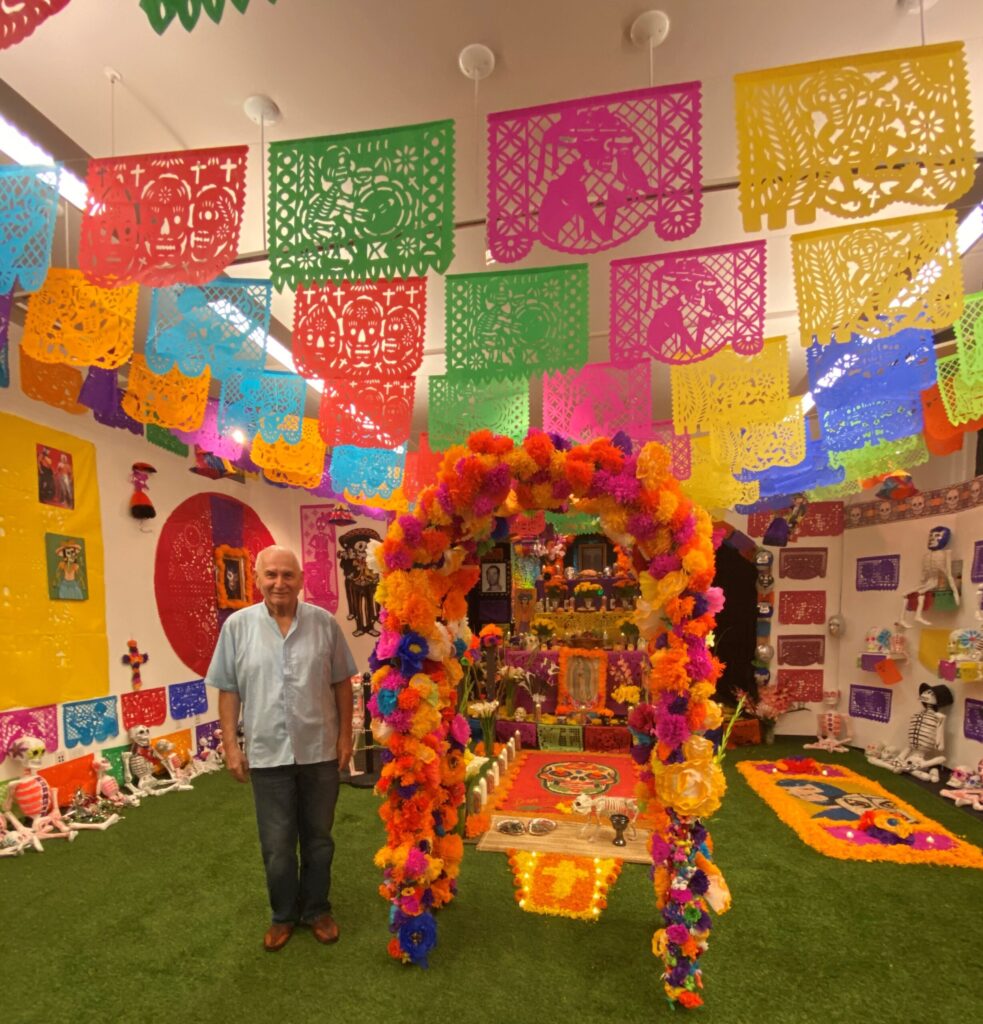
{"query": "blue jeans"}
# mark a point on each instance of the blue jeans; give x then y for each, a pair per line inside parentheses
(296, 802)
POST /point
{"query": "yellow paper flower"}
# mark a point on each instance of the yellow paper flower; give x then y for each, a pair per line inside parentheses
(653, 465)
(714, 717)
(692, 789)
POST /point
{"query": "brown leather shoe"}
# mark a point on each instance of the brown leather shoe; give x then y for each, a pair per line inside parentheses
(325, 929)
(277, 936)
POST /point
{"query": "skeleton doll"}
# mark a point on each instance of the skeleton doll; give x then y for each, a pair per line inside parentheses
(107, 788)
(965, 787)
(924, 752)
(936, 574)
(17, 838)
(34, 798)
(832, 728)
(139, 763)
(164, 749)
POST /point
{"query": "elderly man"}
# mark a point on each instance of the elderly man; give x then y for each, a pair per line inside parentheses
(287, 667)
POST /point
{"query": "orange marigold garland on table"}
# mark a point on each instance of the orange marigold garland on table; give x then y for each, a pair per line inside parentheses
(428, 562)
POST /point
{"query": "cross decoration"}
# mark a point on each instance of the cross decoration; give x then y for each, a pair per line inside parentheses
(134, 658)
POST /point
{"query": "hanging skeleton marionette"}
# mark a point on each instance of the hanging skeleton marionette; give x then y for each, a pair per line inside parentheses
(925, 751)
(936, 575)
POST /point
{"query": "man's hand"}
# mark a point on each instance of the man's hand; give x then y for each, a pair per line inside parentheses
(235, 761)
(344, 753)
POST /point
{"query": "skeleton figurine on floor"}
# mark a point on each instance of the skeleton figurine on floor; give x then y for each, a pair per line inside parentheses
(138, 766)
(107, 788)
(832, 728)
(924, 754)
(206, 760)
(17, 838)
(35, 799)
(965, 787)
(166, 754)
(936, 575)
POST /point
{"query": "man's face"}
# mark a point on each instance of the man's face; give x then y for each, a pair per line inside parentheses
(280, 579)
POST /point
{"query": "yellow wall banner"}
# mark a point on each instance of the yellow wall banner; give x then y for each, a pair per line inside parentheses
(52, 591)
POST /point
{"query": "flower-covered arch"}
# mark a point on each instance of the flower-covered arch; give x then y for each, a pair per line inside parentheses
(428, 563)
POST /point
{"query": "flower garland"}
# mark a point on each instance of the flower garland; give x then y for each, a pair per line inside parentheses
(427, 564)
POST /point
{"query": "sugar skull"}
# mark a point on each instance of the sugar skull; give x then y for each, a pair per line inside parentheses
(883, 511)
(952, 499)
(166, 205)
(400, 344)
(212, 224)
(917, 504)
(363, 322)
(27, 751)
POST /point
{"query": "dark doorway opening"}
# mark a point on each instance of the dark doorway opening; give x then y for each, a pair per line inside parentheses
(736, 623)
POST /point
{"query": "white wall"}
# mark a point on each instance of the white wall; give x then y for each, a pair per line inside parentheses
(130, 546)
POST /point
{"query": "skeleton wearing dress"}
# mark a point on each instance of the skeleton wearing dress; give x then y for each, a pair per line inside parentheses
(832, 731)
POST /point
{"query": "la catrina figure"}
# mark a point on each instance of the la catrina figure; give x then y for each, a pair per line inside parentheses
(141, 507)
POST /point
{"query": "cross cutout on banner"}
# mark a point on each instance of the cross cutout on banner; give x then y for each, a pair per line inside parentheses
(134, 658)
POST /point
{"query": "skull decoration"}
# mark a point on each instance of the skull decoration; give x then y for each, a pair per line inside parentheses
(139, 735)
(975, 490)
(765, 581)
(113, 231)
(916, 505)
(28, 751)
(166, 203)
(854, 515)
(364, 325)
(884, 509)
(764, 652)
(213, 217)
(836, 625)
(952, 499)
(764, 559)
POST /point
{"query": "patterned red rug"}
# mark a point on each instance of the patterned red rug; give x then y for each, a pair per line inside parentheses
(540, 780)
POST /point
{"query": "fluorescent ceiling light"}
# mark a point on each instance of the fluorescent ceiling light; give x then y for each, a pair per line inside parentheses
(24, 150)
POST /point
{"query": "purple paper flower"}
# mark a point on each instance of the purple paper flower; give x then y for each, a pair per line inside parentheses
(677, 933)
(662, 564)
(460, 731)
(699, 882)
(672, 730)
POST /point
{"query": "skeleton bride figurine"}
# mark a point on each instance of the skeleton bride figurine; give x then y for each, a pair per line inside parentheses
(925, 750)
(936, 575)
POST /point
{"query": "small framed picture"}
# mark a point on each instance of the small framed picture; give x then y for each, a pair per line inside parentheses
(56, 477)
(493, 578)
(233, 577)
(67, 571)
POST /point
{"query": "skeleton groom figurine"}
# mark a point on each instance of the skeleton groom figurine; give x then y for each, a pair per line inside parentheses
(925, 750)
(936, 575)
(832, 728)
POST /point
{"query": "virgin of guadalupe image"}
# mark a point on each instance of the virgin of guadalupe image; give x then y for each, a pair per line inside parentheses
(360, 580)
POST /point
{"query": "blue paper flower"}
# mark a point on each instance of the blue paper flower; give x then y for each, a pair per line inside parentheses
(387, 701)
(417, 937)
(411, 652)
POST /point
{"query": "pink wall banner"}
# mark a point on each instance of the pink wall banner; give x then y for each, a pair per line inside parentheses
(41, 722)
(803, 649)
(144, 707)
(317, 545)
(586, 175)
(598, 401)
(878, 572)
(873, 702)
(802, 607)
(973, 720)
(681, 307)
(822, 519)
(801, 684)
(802, 563)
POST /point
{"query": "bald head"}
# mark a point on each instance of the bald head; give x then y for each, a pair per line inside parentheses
(275, 551)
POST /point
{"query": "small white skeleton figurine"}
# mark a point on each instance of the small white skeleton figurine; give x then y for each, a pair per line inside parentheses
(168, 757)
(17, 838)
(107, 788)
(925, 753)
(965, 787)
(35, 799)
(936, 575)
(207, 759)
(598, 807)
(138, 766)
(832, 728)
(90, 812)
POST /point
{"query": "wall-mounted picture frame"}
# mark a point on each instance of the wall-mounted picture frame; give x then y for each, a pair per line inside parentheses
(233, 577)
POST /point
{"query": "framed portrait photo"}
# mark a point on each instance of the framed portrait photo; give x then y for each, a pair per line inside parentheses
(233, 577)
(494, 578)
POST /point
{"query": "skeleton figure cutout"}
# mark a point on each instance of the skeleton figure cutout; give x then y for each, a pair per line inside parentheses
(832, 728)
(936, 575)
(34, 798)
(360, 580)
(924, 753)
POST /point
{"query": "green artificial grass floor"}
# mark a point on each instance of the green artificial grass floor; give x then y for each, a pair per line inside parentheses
(161, 918)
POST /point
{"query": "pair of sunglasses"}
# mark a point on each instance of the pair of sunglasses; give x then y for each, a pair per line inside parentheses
(536, 827)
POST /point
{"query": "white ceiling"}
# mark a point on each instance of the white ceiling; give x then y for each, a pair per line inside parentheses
(336, 66)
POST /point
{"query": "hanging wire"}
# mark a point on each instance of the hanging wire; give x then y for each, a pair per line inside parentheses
(651, 62)
(112, 115)
(921, 18)
(477, 142)
(262, 173)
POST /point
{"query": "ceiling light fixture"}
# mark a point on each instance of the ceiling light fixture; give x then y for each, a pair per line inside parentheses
(22, 149)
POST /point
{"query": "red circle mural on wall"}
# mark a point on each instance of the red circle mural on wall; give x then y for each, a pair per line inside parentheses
(184, 570)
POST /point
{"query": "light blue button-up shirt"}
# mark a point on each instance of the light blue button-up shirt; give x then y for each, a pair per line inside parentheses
(289, 712)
